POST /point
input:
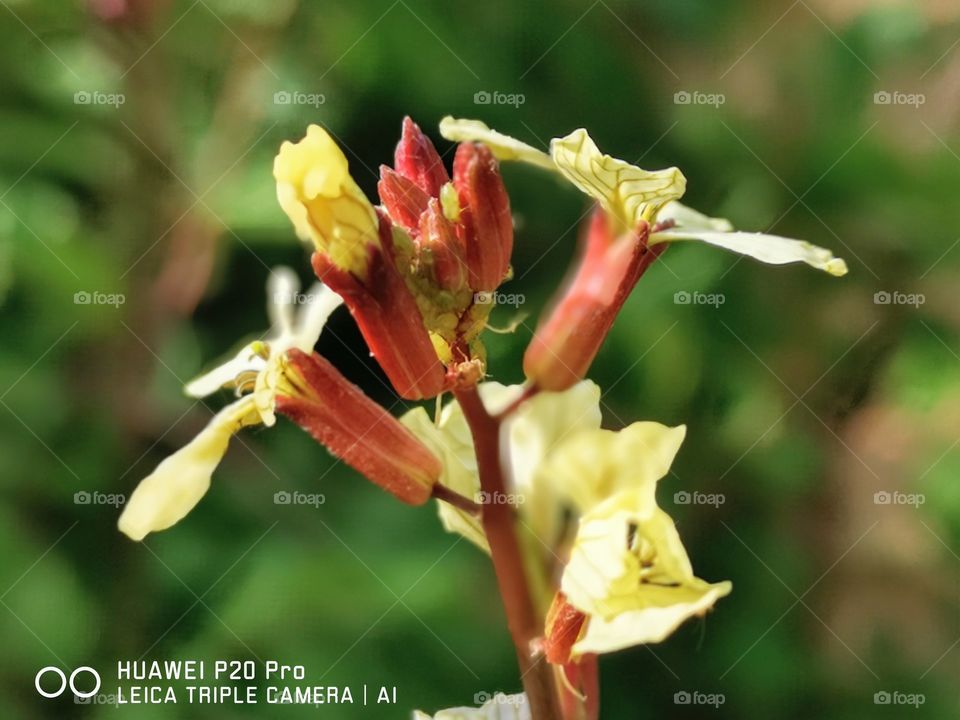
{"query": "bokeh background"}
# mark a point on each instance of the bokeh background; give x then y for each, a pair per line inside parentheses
(805, 395)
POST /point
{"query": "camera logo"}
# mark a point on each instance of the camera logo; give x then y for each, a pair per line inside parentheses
(84, 497)
(696, 97)
(486, 97)
(683, 697)
(895, 97)
(286, 97)
(86, 97)
(884, 497)
(64, 682)
(82, 297)
(883, 297)
(284, 497)
(884, 697)
(682, 297)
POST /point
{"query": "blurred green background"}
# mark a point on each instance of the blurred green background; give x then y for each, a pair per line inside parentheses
(804, 395)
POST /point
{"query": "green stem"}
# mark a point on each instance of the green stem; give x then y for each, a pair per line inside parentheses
(523, 621)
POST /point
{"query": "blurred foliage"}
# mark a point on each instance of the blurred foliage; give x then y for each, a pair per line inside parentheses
(803, 396)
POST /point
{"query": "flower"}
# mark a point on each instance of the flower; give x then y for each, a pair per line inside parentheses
(638, 216)
(530, 433)
(628, 572)
(355, 255)
(283, 374)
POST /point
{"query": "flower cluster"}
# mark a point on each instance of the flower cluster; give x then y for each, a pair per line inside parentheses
(607, 569)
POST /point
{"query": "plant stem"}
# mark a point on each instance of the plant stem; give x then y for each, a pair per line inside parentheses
(523, 621)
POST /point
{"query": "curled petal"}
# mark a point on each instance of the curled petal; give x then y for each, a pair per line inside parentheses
(503, 146)
(689, 219)
(627, 192)
(770, 249)
(356, 429)
(172, 490)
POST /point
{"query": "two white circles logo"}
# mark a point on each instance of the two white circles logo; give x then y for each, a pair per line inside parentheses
(71, 682)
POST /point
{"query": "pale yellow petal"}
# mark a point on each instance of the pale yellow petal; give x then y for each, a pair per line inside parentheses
(325, 204)
(459, 474)
(502, 146)
(172, 490)
(591, 466)
(686, 218)
(770, 249)
(627, 192)
(496, 707)
(651, 624)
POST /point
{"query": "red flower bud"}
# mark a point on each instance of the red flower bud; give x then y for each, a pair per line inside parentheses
(579, 689)
(439, 237)
(403, 198)
(568, 339)
(485, 215)
(389, 319)
(417, 160)
(356, 429)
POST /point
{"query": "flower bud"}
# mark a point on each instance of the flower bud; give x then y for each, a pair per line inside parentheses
(485, 215)
(402, 198)
(356, 429)
(388, 317)
(438, 236)
(417, 160)
(566, 342)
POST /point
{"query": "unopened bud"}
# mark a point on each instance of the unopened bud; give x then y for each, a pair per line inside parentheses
(417, 160)
(439, 236)
(402, 198)
(567, 341)
(484, 215)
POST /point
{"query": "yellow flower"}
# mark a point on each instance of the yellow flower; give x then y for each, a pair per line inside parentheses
(179, 482)
(630, 194)
(628, 571)
(324, 202)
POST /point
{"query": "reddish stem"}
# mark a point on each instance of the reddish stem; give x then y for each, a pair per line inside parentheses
(498, 524)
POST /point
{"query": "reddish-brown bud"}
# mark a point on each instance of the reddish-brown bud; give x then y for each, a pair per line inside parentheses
(485, 215)
(439, 237)
(417, 160)
(389, 319)
(579, 689)
(356, 429)
(403, 199)
(566, 342)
